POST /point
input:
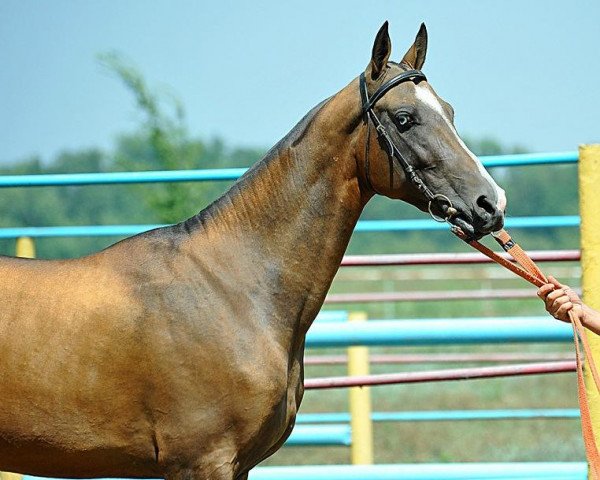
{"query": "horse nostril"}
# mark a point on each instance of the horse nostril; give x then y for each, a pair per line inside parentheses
(485, 204)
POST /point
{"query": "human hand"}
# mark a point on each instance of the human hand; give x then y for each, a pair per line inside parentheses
(560, 300)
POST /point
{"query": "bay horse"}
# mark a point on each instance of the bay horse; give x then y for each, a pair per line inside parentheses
(178, 353)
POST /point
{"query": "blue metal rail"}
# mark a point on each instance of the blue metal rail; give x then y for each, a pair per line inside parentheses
(445, 331)
(121, 178)
(220, 174)
(428, 471)
(422, 471)
(444, 415)
(529, 159)
(362, 226)
(320, 435)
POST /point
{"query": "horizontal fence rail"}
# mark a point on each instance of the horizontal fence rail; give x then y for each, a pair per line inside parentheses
(451, 374)
(529, 159)
(551, 221)
(320, 435)
(431, 296)
(558, 221)
(422, 471)
(220, 174)
(121, 178)
(425, 471)
(444, 415)
(451, 258)
(449, 331)
(424, 358)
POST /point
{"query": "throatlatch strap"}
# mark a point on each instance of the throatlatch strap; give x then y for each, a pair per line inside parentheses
(528, 270)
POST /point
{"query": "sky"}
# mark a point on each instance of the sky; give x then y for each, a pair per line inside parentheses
(523, 72)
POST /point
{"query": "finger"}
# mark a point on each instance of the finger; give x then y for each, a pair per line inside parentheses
(555, 294)
(572, 295)
(545, 290)
(563, 312)
(555, 282)
(559, 302)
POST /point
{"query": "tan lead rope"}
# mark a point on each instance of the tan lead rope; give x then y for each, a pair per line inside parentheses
(527, 269)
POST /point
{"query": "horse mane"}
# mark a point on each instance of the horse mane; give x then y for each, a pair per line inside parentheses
(172, 234)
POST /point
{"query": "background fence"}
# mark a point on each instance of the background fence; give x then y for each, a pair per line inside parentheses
(352, 331)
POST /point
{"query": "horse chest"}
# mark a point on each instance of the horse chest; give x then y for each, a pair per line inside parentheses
(272, 422)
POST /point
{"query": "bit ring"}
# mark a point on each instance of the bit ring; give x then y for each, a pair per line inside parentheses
(450, 211)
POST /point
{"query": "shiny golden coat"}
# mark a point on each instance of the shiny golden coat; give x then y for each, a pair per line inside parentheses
(178, 353)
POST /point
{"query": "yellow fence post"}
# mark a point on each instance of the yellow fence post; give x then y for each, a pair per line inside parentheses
(589, 208)
(361, 451)
(10, 476)
(25, 247)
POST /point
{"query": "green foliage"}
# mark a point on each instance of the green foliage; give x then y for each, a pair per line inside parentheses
(52, 206)
(163, 144)
(110, 204)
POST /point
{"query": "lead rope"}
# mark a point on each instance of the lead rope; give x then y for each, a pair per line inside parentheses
(527, 269)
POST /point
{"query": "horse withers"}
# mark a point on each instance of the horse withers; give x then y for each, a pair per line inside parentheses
(178, 353)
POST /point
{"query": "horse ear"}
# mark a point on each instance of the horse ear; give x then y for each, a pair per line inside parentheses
(382, 48)
(415, 57)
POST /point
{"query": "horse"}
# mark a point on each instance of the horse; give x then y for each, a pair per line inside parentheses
(178, 353)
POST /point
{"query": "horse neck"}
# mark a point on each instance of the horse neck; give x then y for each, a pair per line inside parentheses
(285, 226)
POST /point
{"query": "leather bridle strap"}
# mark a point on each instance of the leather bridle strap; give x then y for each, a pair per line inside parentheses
(394, 154)
(409, 76)
(392, 150)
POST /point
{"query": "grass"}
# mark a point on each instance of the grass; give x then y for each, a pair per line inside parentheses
(450, 441)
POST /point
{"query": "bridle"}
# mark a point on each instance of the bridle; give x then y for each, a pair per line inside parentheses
(392, 150)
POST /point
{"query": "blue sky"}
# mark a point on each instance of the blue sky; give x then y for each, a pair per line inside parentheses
(524, 72)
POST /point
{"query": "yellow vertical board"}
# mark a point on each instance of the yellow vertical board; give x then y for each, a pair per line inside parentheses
(25, 247)
(361, 451)
(589, 208)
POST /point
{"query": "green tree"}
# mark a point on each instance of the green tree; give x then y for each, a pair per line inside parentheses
(162, 140)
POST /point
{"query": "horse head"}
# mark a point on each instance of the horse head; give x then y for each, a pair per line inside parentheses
(412, 150)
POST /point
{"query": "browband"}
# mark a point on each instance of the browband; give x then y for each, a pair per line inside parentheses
(410, 75)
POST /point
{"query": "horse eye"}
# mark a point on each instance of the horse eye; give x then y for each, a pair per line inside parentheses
(404, 121)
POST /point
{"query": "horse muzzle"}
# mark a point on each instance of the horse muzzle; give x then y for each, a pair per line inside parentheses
(477, 227)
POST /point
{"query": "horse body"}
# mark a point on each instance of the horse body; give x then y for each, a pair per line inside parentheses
(178, 352)
(66, 388)
(180, 348)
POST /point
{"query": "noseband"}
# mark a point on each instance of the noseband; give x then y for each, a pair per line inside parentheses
(392, 150)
